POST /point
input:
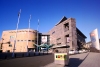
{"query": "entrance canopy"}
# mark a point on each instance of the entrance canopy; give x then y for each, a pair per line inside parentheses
(44, 45)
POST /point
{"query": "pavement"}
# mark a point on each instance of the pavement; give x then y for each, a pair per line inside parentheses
(92, 60)
(89, 59)
(81, 60)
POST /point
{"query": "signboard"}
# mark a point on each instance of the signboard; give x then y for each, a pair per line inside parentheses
(68, 39)
(11, 38)
(95, 39)
(59, 56)
(44, 39)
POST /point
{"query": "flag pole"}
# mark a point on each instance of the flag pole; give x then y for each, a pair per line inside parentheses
(28, 35)
(16, 33)
(37, 34)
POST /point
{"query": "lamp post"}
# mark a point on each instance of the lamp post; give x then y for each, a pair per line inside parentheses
(37, 34)
(16, 33)
(28, 35)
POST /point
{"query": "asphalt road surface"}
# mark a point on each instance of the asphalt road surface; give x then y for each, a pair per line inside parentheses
(78, 60)
(35, 61)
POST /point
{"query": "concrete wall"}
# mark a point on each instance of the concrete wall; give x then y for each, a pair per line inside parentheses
(21, 40)
(58, 31)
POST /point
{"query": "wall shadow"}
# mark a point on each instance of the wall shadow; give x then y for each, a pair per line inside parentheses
(75, 62)
(37, 61)
(8, 56)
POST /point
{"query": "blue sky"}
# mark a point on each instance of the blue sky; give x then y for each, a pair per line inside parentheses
(50, 12)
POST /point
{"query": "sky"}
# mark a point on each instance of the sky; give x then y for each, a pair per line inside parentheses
(50, 12)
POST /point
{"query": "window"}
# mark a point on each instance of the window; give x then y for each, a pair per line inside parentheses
(58, 43)
(10, 45)
(29, 40)
(66, 27)
(30, 31)
(22, 31)
(33, 32)
(58, 38)
(18, 40)
(33, 41)
(53, 32)
(11, 37)
(25, 40)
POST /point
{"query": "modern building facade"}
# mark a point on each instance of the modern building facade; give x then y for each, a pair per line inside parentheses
(24, 37)
(66, 32)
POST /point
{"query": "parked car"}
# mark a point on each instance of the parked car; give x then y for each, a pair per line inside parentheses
(44, 49)
(71, 52)
(76, 52)
(81, 51)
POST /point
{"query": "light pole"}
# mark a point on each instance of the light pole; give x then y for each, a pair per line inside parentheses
(16, 32)
(37, 34)
(28, 35)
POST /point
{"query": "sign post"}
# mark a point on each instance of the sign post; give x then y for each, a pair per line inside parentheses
(61, 57)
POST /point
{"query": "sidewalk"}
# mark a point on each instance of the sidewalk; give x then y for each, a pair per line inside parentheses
(81, 60)
(93, 60)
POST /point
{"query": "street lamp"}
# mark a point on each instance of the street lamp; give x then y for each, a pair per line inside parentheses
(16, 33)
(37, 35)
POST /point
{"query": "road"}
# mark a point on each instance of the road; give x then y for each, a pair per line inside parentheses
(89, 59)
(78, 60)
(36, 61)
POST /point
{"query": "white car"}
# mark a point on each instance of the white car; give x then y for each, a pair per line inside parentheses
(80, 51)
(71, 52)
(76, 52)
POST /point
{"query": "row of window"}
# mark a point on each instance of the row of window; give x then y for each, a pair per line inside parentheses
(26, 40)
(22, 31)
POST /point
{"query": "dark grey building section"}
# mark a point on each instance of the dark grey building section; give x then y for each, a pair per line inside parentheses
(66, 32)
(80, 39)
